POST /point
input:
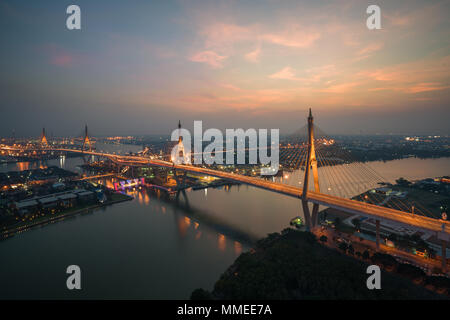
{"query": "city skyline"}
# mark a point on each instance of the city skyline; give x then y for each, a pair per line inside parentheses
(139, 68)
(225, 155)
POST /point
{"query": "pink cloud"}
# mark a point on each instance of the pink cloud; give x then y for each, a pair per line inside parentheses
(380, 75)
(427, 86)
(209, 57)
(322, 72)
(62, 60)
(59, 56)
(254, 55)
(228, 39)
(369, 49)
(313, 75)
(295, 37)
(231, 87)
(398, 19)
(222, 36)
(287, 73)
(342, 88)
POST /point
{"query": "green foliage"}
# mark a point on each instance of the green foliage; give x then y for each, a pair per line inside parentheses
(440, 283)
(403, 182)
(365, 255)
(410, 271)
(343, 246)
(384, 259)
(294, 266)
(351, 250)
(200, 294)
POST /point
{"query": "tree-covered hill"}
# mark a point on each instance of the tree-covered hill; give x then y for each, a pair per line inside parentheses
(293, 265)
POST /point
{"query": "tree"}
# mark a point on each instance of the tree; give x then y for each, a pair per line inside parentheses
(403, 182)
(323, 239)
(351, 250)
(414, 273)
(343, 246)
(200, 294)
(437, 270)
(365, 255)
(388, 261)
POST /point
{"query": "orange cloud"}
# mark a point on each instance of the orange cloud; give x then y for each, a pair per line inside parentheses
(295, 37)
(62, 60)
(342, 88)
(209, 57)
(287, 73)
(423, 87)
(254, 55)
(368, 50)
(59, 56)
(221, 36)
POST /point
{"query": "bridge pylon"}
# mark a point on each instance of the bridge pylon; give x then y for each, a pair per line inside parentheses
(86, 139)
(311, 164)
(44, 141)
(180, 154)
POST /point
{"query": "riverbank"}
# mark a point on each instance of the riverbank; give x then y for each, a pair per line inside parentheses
(293, 265)
(13, 230)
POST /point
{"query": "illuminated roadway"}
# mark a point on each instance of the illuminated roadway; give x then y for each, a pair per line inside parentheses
(440, 227)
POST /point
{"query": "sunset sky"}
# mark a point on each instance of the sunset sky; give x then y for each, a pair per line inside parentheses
(137, 67)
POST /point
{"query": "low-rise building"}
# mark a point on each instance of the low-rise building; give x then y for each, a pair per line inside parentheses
(67, 199)
(26, 207)
(86, 196)
(48, 202)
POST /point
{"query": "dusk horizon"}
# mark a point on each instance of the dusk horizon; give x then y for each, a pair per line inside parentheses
(147, 65)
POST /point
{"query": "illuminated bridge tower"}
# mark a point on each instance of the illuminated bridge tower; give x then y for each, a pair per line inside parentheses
(180, 147)
(44, 141)
(311, 164)
(180, 157)
(86, 140)
(180, 138)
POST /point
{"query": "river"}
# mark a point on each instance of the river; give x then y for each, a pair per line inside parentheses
(149, 248)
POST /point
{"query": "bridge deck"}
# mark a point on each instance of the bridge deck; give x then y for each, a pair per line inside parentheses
(440, 227)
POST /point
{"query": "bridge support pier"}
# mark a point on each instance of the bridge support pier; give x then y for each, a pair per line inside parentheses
(311, 220)
(311, 164)
(308, 221)
(378, 234)
(314, 216)
(444, 256)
